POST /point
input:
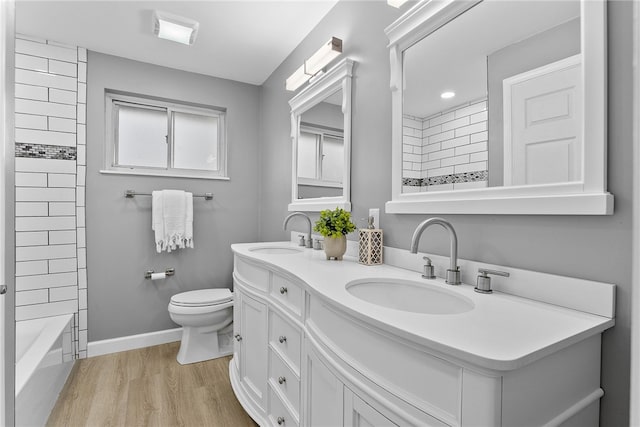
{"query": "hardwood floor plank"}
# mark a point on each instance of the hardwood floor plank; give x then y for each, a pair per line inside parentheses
(148, 387)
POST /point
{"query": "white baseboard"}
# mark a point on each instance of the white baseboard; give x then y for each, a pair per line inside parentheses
(132, 342)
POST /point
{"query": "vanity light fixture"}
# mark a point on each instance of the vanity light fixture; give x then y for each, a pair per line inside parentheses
(396, 3)
(175, 28)
(312, 66)
(447, 95)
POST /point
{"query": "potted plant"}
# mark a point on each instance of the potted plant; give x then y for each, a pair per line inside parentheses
(334, 225)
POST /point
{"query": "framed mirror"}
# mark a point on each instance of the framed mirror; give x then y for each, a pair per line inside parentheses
(321, 137)
(499, 108)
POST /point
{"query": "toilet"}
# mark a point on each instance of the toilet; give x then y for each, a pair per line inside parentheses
(202, 314)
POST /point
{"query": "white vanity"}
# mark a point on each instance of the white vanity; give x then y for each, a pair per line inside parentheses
(326, 343)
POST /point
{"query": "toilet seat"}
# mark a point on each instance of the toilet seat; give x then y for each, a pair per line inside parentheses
(202, 298)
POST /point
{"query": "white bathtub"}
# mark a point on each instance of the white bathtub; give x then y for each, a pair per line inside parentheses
(43, 363)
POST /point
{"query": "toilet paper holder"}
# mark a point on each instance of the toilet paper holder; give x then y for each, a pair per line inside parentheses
(168, 272)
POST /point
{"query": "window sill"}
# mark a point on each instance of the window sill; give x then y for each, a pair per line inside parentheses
(164, 174)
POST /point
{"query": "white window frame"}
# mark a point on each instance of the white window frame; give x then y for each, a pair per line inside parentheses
(320, 134)
(112, 100)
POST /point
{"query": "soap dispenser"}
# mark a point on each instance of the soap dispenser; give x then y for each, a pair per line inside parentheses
(370, 244)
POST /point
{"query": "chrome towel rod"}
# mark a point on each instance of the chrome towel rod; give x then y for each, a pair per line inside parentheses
(130, 194)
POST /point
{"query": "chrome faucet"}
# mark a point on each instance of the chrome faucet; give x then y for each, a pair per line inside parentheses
(453, 273)
(309, 242)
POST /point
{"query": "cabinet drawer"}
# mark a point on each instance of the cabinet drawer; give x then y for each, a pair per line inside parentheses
(279, 416)
(286, 340)
(252, 275)
(286, 381)
(289, 294)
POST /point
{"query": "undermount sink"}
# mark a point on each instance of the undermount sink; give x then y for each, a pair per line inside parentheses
(407, 295)
(275, 250)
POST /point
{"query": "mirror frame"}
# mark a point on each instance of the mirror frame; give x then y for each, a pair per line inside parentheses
(586, 197)
(338, 77)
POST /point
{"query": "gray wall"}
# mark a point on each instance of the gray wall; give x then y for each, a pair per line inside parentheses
(552, 45)
(121, 244)
(597, 248)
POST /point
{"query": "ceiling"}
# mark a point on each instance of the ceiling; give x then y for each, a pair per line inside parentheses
(241, 40)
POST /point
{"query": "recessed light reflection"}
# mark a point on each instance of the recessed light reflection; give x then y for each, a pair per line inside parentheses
(447, 95)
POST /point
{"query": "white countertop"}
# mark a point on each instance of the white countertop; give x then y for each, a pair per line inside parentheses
(502, 332)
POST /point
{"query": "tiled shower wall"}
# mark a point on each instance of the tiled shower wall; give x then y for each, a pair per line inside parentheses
(446, 151)
(50, 138)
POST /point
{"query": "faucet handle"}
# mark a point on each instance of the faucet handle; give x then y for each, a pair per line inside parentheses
(428, 269)
(302, 242)
(483, 283)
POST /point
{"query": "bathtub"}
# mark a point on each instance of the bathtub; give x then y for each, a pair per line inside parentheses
(43, 363)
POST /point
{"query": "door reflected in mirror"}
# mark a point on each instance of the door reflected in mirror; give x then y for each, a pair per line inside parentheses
(494, 98)
(321, 149)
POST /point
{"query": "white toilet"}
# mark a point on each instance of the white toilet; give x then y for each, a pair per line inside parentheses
(202, 314)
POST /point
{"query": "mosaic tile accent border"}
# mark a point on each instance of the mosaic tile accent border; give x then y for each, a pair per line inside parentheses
(447, 179)
(41, 151)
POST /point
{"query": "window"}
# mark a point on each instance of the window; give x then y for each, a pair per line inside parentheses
(154, 137)
(320, 157)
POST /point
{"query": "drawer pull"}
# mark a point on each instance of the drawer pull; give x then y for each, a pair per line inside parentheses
(280, 420)
(283, 290)
(238, 337)
(282, 339)
(282, 380)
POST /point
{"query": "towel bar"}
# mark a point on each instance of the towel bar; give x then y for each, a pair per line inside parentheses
(130, 194)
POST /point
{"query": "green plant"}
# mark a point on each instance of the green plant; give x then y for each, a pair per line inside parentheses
(334, 223)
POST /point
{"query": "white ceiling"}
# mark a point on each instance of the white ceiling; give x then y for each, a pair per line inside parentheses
(240, 40)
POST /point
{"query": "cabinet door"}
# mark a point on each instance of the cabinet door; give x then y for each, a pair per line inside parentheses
(253, 348)
(324, 394)
(358, 413)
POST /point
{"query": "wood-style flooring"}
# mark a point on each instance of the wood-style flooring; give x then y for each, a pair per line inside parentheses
(148, 387)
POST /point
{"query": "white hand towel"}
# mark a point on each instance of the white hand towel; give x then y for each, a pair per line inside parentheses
(188, 227)
(157, 220)
(172, 219)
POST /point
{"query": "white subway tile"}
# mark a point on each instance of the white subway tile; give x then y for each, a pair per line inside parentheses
(471, 148)
(25, 283)
(449, 143)
(81, 155)
(29, 268)
(62, 125)
(62, 209)
(63, 68)
(479, 117)
(62, 96)
(32, 253)
(442, 118)
(38, 296)
(410, 189)
(82, 114)
(441, 171)
(411, 140)
(55, 43)
(32, 209)
(411, 123)
(441, 154)
(410, 174)
(37, 93)
(82, 299)
(32, 238)
(82, 93)
(63, 293)
(62, 180)
(38, 311)
(468, 185)
(30, 194)
(79, 196)
(45, 223)
(32, 136)
(63, 265)
(471, 167)
(82, 134)
(82, 54)
(411, 157)
(82, 340)
(461, 140)
(480, 136)
(416, 166)
(467, 130)
(82, 323)
(431, 131)
(38, 78)
(440, 187)
(457, 160)
(24, 164)
(80, 216)
(472, 109)
(31, 179)
(479, 157)
(82, 278)
(29, 62)
(433, 164)
(60, 237)
(82, 257)
(441, 136)
(46, 50)
(28, 121)
(82, 72)
(431, 148)
(29, 106)
(82, 237)
(454, 124)
(31, 38)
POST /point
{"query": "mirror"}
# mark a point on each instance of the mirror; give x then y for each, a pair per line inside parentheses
(320, 132)
(490, 110)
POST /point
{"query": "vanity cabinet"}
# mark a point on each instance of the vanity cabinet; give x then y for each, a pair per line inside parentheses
(304, 359)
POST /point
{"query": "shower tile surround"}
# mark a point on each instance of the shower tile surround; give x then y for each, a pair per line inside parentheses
(50, 150)
(446, 151)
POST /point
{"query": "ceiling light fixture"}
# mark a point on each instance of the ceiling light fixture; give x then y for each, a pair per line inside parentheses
(312, 66)
(396, 3)
(175, 28)
(447, 95)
